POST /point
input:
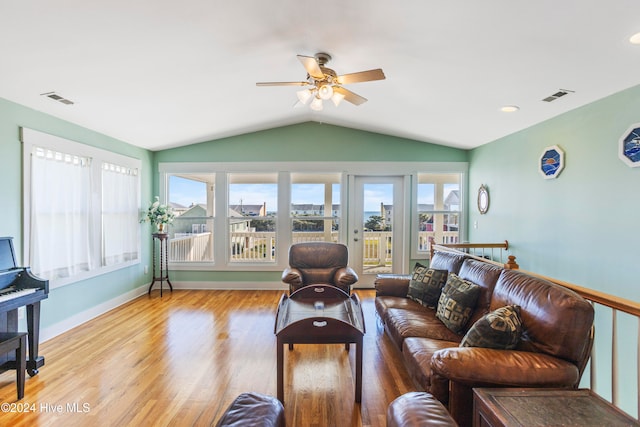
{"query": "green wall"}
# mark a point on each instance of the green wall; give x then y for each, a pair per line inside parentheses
(303, 142)
(312, 142)
(574, 226)
(579, 227)
(70, 300)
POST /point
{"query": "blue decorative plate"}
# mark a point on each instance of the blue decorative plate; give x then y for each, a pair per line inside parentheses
(551, 162)
(630, 146)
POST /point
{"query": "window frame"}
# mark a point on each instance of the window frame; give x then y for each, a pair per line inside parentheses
(32, 138)
(285, 171)
(462, 212)
(208, 218)
(326, 180)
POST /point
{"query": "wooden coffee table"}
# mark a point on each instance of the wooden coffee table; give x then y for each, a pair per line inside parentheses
(319, 314)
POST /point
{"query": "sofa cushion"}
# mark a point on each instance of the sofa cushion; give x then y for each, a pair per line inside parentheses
(417, 352)
(555, 320)
(484, 275)
(426, 285)
(318, 276)
(416, 321)
(499, 329)
(457, 302)
(447, 261)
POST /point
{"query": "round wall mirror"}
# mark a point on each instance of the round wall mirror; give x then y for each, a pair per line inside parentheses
(483, 199)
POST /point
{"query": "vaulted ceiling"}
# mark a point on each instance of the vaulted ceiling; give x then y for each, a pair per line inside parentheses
(159, 74)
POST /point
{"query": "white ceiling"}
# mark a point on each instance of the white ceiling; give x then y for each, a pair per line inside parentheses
(160, 74)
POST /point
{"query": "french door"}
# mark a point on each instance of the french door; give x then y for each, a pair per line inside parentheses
(376, 233)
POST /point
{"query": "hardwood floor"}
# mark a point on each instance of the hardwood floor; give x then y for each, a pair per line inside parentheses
(182, 359)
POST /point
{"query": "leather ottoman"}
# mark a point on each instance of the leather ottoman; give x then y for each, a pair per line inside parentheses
(253, 409)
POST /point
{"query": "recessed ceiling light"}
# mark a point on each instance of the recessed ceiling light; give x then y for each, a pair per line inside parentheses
(509, 108)
(635, 39)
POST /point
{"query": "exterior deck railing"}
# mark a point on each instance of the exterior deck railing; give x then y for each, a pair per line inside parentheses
(259, 246)
(191, 247)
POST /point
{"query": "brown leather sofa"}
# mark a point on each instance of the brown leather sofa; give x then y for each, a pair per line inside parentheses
(552, 351)
(319, 263)
(418, 409)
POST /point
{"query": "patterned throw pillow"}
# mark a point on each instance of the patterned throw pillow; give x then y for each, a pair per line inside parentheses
(426, 284)
(457, 302)
(499, 329)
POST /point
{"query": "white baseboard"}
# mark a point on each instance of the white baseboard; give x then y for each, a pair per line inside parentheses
(249, 286)
(84, 316)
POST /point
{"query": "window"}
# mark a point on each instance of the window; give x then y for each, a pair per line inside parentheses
(191, 234)
(315, 207)
(120, 203)
(438, 209)
(81, 208)
(252, 217)
(249, 213)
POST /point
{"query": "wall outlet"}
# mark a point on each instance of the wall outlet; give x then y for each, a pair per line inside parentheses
(475, 224)
(146, 269)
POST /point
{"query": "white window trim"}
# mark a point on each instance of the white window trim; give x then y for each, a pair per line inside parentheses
(222, 169)
(32, 138)
(462, 233)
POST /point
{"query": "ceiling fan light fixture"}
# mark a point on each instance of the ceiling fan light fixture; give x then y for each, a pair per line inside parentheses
(325, 92)
(304, 95)
(337, 98)
(316, 104)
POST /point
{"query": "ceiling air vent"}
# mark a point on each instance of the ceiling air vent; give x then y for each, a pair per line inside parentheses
(57, 97)
(558, 94)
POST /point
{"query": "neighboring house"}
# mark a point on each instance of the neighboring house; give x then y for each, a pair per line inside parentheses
(311, 209)
(250, 210)
(307, 209)
(177, 208)
(452, 201)
(190, 220)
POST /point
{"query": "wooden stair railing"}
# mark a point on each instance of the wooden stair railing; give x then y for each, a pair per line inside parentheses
(467, 247)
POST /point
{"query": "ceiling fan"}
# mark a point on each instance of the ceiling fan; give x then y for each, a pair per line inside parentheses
(325, 84)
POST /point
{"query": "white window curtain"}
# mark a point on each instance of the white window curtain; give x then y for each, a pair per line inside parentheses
(60, 243)
(119, 214)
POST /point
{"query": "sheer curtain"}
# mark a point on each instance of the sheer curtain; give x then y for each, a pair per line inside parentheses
(119, 214)
(60, 243)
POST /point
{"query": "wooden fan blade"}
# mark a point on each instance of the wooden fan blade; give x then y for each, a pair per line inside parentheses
(362, 76)
(353, 98)
(311, 65)
(282, 83)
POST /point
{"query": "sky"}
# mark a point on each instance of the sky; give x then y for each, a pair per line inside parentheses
(185, 192)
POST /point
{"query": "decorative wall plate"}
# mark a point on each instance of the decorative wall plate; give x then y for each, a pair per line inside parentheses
(483, 199)
(629, 146)
(551, 162)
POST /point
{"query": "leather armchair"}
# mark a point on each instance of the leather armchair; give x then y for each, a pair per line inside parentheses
(319, 263)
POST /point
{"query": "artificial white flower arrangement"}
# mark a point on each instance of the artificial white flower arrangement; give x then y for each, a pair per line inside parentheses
(158, 214)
